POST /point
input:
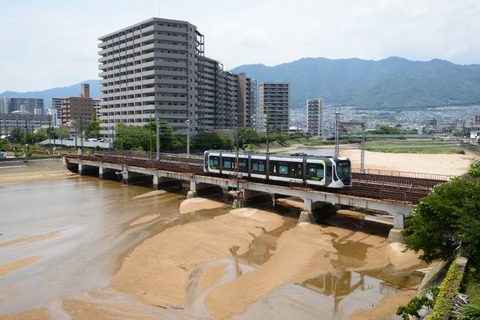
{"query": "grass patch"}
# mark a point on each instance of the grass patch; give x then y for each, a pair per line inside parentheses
(409, 146)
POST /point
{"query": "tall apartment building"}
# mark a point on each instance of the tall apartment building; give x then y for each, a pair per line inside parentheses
(151, 69)
(207, 114)
(4, 105)
(229, 98)
(78, 111)
(31, 105)
(247, 101)
(315, 117)
(273, 107)
(157, 69)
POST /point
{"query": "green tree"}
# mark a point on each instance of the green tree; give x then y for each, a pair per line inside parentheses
(212, 140)
(93, 128)
(167, 140)
(17, 135)
(4, 145)
(447, 219)
(52, 133)
(62, 133)
(474, 169)
(249, 135)
(144, 138)
(40, 135)
(131, 137)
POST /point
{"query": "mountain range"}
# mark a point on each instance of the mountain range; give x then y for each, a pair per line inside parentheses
(389, 83)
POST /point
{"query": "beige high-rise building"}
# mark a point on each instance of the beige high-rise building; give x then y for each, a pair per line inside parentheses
(77, 112)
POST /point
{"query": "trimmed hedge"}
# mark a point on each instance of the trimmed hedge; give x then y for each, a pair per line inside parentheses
(448, 289)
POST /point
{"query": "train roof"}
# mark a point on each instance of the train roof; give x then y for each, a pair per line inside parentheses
(299, 154)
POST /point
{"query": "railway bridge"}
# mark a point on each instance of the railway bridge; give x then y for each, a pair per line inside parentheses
(392, 194)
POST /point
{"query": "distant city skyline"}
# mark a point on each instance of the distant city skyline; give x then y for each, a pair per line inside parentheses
(54, 43)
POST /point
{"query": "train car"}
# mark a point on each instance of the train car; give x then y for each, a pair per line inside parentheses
(329, 172)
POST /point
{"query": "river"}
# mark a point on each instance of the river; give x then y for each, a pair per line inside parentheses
(67, 239)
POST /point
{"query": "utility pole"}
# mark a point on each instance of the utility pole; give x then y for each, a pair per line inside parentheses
(236, 153)
(362, 158)
(362, 145)
(337, 134)
(151, 142)
(157, 122)
(188, 138)
(266, 122)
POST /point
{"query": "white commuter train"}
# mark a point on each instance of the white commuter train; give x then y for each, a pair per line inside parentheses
(329, 172)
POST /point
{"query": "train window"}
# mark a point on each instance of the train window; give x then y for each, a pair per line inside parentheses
(242, 164)
(258, 165)
(283, 169)
(213, 162)
(343, 170)
(227, 164)
(315, 172)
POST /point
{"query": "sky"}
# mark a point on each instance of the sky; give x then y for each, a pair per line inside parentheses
(54, 43)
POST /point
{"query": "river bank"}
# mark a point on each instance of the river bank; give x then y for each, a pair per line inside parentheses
(33, 168)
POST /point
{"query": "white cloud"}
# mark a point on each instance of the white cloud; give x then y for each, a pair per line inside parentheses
(54, 43)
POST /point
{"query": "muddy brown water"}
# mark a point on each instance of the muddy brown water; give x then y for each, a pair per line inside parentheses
(80, 229)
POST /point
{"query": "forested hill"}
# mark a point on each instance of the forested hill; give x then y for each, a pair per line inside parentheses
(389, 83)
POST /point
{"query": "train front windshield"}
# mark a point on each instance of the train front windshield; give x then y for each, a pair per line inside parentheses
(344, 171)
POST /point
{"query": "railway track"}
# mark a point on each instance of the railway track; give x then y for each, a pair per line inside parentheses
(387, 187)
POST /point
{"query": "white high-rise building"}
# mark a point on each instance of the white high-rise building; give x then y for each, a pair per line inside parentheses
(315, 117)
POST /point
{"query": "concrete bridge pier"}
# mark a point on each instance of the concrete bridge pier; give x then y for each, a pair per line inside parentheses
(238, 199)
(398, 220)
(123, 175)
(306, 215)
(155, 181)
(395, 234)
(192, 193)
(80, 168)
(101, 172)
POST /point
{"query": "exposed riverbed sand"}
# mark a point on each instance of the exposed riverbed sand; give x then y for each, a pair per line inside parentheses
(444, 164)
(192, 271)
(17, 264)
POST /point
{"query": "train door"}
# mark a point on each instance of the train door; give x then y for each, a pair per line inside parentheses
(296, 170)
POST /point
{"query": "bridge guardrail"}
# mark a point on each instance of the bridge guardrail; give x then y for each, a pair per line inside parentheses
(403, 174)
